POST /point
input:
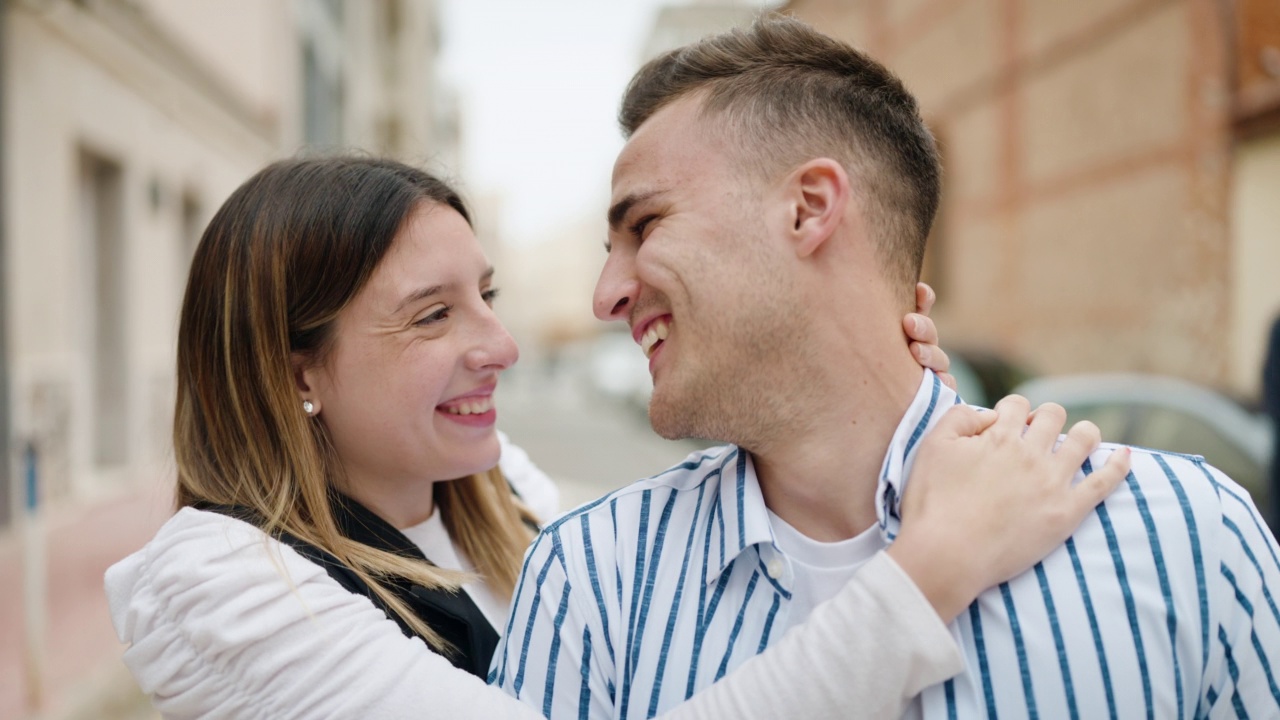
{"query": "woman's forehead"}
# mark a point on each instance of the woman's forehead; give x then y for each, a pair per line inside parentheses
(435, 248)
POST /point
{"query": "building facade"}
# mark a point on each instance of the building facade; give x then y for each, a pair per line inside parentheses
(125, 125)
(1111, 169)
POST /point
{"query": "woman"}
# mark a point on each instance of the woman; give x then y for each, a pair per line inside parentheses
(334, 428)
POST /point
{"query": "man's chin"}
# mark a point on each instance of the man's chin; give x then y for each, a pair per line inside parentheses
(671, 422)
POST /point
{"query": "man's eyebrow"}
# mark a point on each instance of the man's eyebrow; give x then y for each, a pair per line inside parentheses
(623, 206)
(426, 292)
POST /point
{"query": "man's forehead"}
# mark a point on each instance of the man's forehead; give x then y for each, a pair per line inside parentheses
(661, 148)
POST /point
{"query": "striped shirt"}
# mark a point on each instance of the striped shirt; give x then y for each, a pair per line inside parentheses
(1164, 604)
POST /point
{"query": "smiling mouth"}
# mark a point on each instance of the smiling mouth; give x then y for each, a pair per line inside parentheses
(473, 406)
(654, 335)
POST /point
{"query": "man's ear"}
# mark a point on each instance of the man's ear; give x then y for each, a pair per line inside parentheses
(819, 194)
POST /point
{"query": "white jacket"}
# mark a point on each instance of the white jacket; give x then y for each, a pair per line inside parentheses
(223, 621)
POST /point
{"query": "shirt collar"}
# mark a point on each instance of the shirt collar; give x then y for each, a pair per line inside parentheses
(740, 519)
(926, 410)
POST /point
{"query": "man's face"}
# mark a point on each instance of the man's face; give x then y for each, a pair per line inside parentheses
(693, 271)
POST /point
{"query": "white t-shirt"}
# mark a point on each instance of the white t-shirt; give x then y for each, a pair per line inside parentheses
(433, 540)
(820, 569)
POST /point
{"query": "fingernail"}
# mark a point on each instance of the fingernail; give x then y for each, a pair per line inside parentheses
(924, 352)
(917, 324)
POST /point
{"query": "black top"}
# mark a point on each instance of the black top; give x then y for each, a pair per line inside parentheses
(451, 615)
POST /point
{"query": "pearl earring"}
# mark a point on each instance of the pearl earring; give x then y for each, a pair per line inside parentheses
(307, 407)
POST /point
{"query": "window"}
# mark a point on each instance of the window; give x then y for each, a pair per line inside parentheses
(192, 224)
(101, 221)
(322, 107)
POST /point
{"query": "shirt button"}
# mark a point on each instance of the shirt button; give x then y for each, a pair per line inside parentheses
(775, 569)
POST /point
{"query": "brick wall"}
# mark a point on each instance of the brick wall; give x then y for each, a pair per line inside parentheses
(1087, 147)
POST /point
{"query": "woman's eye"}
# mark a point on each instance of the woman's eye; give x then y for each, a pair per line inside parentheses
(435, 317)
(489, 296)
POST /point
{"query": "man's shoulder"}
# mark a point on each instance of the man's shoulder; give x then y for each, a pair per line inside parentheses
(1192, 480)
(1180, 503)
(616, 522)
(700, 470)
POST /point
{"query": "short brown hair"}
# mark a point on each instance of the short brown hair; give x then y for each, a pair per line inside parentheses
(793, 93)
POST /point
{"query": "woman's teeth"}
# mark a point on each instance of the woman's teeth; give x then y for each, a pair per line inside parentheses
(471, 407)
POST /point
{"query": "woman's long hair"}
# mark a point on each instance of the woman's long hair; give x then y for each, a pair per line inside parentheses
(281, 258)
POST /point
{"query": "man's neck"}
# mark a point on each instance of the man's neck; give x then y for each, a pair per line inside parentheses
(822, 479)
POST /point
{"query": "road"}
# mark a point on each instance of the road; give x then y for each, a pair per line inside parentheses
(588, 443)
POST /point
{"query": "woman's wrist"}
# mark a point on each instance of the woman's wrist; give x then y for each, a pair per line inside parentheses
(945, 583)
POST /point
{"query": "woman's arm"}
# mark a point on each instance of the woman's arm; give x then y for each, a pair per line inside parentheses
(863, 654)
(223, 621)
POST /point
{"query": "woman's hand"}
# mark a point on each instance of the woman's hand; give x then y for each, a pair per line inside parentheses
(989, 496)
(922, 336)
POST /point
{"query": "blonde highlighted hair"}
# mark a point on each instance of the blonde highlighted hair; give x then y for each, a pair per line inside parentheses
(281, 258)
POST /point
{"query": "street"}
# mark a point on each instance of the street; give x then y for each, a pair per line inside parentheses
(588, 443)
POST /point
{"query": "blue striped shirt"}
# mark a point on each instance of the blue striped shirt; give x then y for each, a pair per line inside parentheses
(1164, 604)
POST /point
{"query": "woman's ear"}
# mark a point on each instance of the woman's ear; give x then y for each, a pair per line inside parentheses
(304, 380)
(819, 195)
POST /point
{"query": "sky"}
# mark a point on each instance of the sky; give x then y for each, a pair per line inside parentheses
(539, 84)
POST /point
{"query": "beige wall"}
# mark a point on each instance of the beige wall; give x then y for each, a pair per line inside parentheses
(188, 98)
(554, 278)
(75, 85)
(391, 92)
(247, 45)
(185, 99)
(1087, 152)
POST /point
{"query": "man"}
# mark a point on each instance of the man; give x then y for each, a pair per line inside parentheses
(768, 223)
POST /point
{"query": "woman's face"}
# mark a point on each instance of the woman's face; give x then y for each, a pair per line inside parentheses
(406, 391)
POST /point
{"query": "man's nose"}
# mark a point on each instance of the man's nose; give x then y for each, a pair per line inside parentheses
(617, 288)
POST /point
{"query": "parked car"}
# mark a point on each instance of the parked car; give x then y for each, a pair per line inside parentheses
(1167, 414)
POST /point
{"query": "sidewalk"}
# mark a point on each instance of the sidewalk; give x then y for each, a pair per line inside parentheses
(83, 675)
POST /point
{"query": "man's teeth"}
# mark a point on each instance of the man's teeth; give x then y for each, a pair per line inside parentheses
(471, 407)
(653, 335)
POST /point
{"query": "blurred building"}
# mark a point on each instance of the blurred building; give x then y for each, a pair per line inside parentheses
(560, 313)
(677, 25)
(125, 123)
(1112, 169)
